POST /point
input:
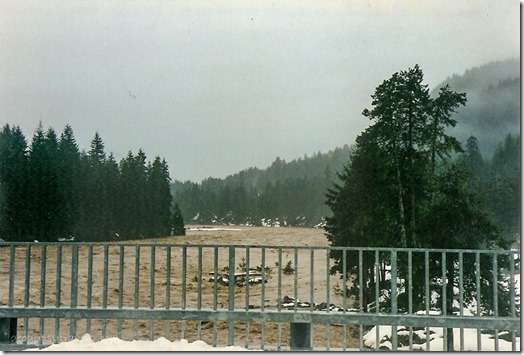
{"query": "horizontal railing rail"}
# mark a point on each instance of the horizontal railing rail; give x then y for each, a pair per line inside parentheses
(266, 316)
(253, 295)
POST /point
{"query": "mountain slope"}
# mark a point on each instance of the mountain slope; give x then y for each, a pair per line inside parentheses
(493, 107)
(293, 193)
(285, 193)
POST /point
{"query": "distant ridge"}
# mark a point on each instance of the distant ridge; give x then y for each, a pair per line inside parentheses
(285, 193)
(493, 107)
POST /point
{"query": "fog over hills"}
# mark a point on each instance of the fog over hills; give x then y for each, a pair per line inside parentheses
(493, 107)
(293, 192)
(491, 113)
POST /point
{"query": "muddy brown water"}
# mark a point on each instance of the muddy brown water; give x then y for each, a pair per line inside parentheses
(311, 278)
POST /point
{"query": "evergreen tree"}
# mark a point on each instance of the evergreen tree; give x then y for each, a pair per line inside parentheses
(398, 190)
(45, 202)
(96, 197)
(503, 188)
(178, 222)
(14, 193)
(160, 198)
(134, 215)
(111, 178)
(68, 182)
(472, 158)
(50, 190)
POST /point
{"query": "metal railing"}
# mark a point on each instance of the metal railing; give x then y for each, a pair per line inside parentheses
(260, 297)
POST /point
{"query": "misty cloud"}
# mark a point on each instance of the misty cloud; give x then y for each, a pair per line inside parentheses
(216, 87)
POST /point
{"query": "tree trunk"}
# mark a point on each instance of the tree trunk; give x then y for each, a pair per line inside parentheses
(403, 236)
(411, 150)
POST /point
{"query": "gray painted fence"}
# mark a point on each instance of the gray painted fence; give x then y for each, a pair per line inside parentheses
(282, 297)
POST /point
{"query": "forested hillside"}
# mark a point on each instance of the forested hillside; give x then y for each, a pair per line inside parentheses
(493, 107)
(50, 190)
(294, 193)
(497, 183)
(286, 193)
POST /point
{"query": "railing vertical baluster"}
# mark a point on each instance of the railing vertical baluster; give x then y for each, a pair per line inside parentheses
(26, 289)
(43, 265)
(312, 280)
(89, 284)
(120, 287)
(42, 289)
(199, 296)
(461, 296)
(295, 279)
(246, 344)
(279, 297)
(344, 279)
(444, 299)
(344, 331)
(12, 259)
(360, 290)
(263, 296)
(279, 271)
(394, 304)
(215, 293)
(168, 289)
(184, 279)
(361, 336)
(104, 288)
(152, 279)
(377, 297)
(410, 295)
(495, 298)
(328, 301)
(27, 274)
(312, 290)
(74, 288)
(427, 293)
(152, 292)
(58, 289)
(512, 296)
(137, 289)
(231, 303)
(478, 299)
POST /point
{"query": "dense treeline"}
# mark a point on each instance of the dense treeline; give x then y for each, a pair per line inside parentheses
(50, 190)
(497, 183)
(286, 193)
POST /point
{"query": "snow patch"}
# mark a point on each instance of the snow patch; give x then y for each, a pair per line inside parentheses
(86, 343)
(436, 342)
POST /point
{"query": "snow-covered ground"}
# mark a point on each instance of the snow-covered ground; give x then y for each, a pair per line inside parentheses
(116, 344)
(437, 339)
(436, 343)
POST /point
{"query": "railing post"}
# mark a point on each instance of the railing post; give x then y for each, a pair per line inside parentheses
(394, 293)
(8, 330)
(300, 339)
(231, 303)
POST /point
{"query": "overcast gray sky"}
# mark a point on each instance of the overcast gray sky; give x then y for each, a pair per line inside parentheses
(219, 86)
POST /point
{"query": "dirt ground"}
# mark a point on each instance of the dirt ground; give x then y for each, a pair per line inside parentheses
(157, 287)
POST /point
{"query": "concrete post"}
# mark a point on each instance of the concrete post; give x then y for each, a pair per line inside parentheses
(8, 330)
(300, 339)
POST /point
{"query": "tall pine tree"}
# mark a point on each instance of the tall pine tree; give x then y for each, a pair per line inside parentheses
(401, 190)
